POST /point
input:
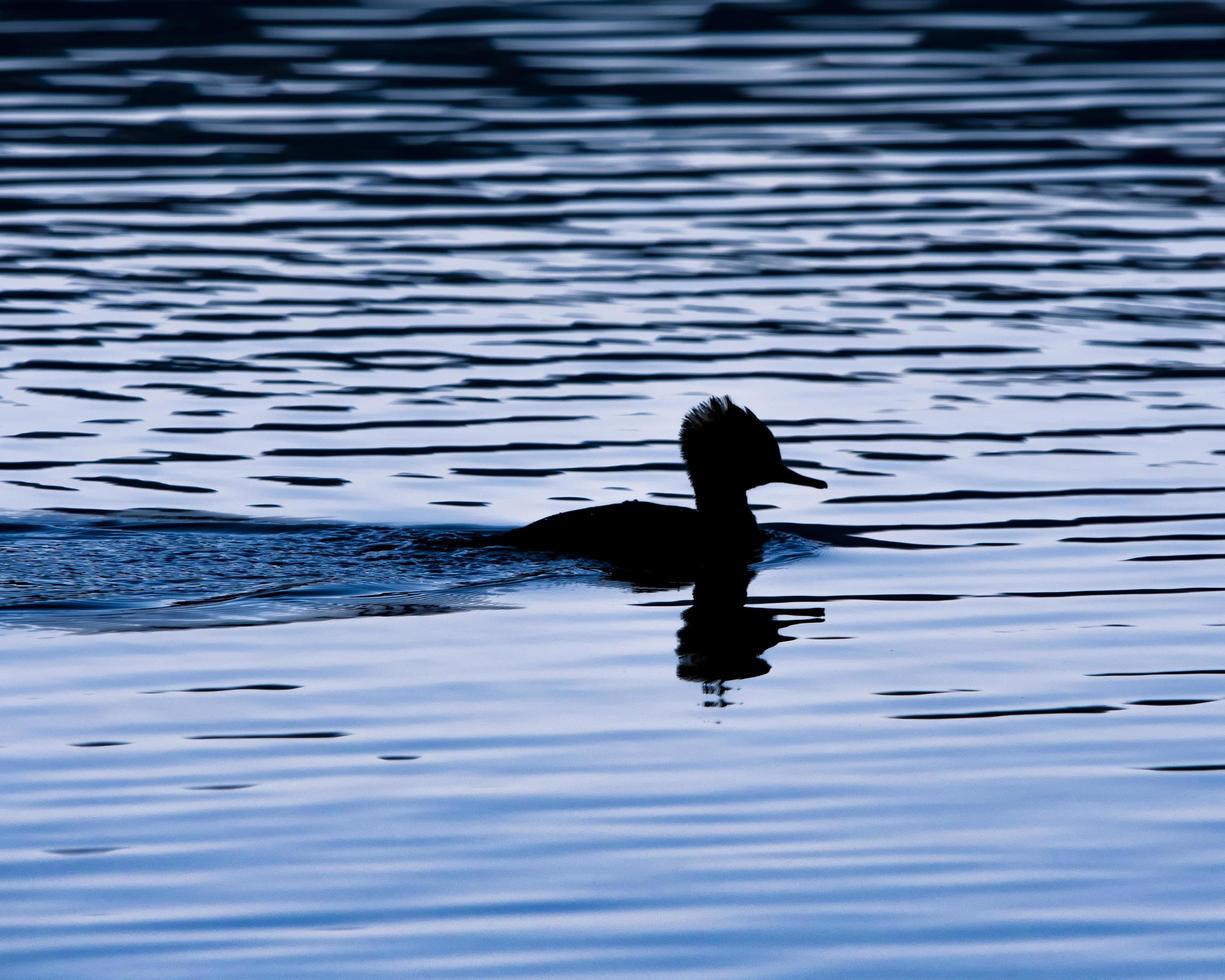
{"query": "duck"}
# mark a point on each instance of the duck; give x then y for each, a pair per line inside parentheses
(727, 451)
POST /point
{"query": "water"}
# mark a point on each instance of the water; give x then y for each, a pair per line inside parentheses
(301, 303)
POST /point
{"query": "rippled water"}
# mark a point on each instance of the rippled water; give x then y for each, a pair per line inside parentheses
(301, 302)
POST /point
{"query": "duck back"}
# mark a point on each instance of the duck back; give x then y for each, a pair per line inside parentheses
(632, 534)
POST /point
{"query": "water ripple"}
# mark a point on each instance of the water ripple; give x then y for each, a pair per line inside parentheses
(966, 262)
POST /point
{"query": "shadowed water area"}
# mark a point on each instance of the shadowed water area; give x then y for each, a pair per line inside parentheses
(301, 304)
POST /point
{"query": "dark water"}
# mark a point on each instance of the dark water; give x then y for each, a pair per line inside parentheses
(300, 302)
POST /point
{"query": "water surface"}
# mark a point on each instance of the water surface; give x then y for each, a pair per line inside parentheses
(302, 303)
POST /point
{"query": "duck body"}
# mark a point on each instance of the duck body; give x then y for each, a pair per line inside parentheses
(727, 451)
(640, 534)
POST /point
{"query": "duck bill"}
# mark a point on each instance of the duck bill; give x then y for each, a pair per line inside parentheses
(786, 475)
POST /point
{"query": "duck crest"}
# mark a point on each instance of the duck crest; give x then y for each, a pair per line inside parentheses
(723, 441)
(717, 418)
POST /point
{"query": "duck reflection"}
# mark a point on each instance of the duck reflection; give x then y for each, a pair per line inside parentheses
(723, 638)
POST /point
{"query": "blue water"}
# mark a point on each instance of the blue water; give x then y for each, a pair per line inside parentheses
(301, 304)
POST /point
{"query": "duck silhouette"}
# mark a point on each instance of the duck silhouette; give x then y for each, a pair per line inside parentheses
(727, 452)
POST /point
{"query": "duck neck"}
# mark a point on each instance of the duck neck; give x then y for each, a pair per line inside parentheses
(725, 511)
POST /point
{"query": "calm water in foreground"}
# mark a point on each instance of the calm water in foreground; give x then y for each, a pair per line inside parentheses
(299, 302)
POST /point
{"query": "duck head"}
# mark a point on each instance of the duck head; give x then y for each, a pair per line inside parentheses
(728, 450)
